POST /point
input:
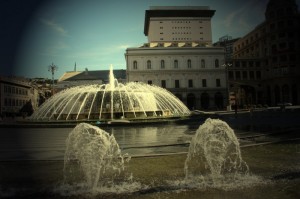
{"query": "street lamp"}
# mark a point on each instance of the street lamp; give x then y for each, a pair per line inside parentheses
(227, 65)
(52, 68)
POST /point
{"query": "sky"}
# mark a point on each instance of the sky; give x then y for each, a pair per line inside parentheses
(95, 33)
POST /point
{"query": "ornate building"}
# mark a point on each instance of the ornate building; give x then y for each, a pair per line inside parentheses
(265, 67)
(180, 56)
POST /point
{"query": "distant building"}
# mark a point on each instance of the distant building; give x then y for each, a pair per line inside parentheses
(44, 87)
(180, 56)
(15, 93)
(266, 63)
(77, 78)
(227, 43)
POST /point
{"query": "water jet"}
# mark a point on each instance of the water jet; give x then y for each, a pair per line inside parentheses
(112, 101)
(95, 154)
(214, 156)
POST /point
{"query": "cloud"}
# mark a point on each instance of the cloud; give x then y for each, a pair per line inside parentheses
(244, 17)
(102, 51)
(236, 14)
(123, 47)
(54, 26)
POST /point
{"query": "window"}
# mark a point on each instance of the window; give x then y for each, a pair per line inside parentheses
(292, 46)
(245, 75)
(189, 63)
(135, 65)
(202, 63)
(150, 82)
(217, 63)
(190, 83)
(272, 26)
(237, 75)
(218, 82)
(244, 64)
(162, 64)
(148, 64)
(250, 63)
(204, 83)
(230, 74)
(257, 64)
(163, 83)
(175, 63)
(176, 83)
(258, 75)
(251, 74)
(283, 58)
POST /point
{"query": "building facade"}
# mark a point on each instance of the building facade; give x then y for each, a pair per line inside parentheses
(180, 57)
(194, 74)
(266, 64)
(15, 93)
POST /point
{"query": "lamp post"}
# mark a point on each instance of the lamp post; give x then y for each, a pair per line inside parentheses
(52, 68)
(227, 65)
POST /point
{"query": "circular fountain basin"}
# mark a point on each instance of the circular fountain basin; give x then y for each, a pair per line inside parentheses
(113, 101)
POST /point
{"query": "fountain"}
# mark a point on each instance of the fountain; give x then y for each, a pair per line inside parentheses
(214, 157)
(95, 154)
(111, 101)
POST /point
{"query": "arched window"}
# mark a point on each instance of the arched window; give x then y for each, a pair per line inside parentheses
(219, 100)
(204, 100)
(176, 63)
(189, 63)
(135, 65)
(148, 64)
(217, 63)
(162, 64)
(202, 63)
(191, 101)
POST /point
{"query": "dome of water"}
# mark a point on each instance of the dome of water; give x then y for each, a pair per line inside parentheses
(214, 155)
(96, 152)
(111, 101)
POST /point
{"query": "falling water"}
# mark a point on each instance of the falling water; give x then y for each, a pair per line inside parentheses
(94, 154)
(111, 101)
(112, 89)
(214, 157)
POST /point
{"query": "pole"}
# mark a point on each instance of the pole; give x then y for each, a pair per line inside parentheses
(227, 65)
(52, 68)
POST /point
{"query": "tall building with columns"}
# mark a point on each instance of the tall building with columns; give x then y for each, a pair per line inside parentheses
(179, 56)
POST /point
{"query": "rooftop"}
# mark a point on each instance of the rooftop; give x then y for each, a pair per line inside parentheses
(179, 7)
(176, 11)
(91, 75)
